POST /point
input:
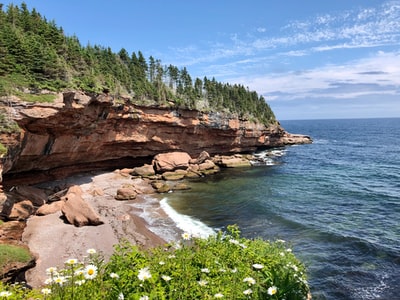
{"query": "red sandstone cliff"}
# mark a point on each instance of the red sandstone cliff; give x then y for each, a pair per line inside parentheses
(79, 132)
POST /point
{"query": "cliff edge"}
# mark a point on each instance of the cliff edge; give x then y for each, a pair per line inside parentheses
(79, 132)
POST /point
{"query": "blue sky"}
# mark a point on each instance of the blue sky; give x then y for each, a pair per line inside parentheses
(310, 59)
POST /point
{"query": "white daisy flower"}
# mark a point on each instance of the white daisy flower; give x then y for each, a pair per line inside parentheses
(60, 280)
(166, 278)
(46, 291)
(90, 272)
(272, 290)
(202, 282)
(258, 266)
(144, 274)
(249, 280)
(248, 292)
(51, 271)
(5, 294)
(91, 251)
(186, 236)
(71, 261)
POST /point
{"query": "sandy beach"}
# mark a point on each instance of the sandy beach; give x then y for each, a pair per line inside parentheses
(53, 241)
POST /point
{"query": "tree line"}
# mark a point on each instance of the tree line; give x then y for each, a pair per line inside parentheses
(36, 53)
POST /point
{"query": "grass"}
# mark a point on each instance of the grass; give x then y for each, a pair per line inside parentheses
(221, 266)
(12, 253)
(11, 82)
(36, 98)
(14, 84)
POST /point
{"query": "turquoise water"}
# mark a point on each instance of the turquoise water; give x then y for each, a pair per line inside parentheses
(337, 201)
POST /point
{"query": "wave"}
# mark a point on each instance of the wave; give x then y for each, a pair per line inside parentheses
(186, 223)
(321, 141)
(157, 221)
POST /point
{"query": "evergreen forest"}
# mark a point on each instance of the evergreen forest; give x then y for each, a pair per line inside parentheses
(36, 54)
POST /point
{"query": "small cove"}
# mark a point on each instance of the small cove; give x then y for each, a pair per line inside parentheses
(336, 201)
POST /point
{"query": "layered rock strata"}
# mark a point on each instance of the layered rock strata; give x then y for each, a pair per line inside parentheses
(81, 132)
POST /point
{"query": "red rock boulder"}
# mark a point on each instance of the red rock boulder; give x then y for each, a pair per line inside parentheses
(166, 162)
(77, 211)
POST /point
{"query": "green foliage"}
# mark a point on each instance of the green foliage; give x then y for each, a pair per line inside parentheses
(3, 151)
(12, 253)
(7, 125)
(38, 52)
(18, 292)
(224, 265)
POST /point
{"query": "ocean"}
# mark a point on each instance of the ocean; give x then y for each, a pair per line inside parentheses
(336, 201)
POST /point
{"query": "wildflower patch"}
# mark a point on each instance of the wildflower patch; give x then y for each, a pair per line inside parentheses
(224, 266)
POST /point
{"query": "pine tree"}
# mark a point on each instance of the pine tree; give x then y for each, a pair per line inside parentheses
(36, 53)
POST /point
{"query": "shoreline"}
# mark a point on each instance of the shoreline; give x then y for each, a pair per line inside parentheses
(52, 241)
(147, 221)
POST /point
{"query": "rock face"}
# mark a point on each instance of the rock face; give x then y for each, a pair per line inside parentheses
(80, 132)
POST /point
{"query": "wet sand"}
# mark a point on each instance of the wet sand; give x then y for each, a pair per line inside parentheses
(53, 241)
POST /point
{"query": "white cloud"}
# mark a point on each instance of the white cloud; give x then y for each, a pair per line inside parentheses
(312, 62)
(364, 28)
(376, 74)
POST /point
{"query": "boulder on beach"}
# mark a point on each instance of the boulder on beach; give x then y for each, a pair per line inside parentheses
(50, 208)
(202, 158)
(126, 193)
(144, 171)
(206, 165)
(77, 211)
(160, 186)
(232, 161)
(21, 210)
(165, 162)
(174, 176)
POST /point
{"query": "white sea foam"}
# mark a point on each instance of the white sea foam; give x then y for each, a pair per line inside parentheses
(321, 141)
(373, 291)
(151, 212)
(267, 157)
(186, 223)
(278, 152)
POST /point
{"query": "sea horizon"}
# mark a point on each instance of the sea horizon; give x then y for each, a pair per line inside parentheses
(338, 119)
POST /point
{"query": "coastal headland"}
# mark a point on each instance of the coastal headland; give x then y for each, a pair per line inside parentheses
(75, 165)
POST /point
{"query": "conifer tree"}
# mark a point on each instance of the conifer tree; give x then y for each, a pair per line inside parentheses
(36, 53)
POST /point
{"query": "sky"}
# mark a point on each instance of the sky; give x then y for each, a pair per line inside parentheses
(310, 59)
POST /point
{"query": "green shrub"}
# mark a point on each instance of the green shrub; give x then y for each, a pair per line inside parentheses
(221, 266)
(18, 292)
